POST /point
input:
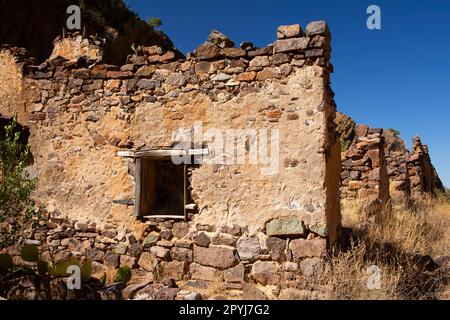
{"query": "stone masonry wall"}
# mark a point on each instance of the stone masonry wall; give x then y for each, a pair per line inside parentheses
(423, 176)
(81, 112)
(397, 165)
(364, 170)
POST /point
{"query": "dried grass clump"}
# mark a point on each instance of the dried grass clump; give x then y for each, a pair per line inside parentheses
(400, 243)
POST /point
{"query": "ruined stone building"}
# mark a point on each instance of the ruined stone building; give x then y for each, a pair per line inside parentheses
(224, 164)
(145, 152)
(378, 169)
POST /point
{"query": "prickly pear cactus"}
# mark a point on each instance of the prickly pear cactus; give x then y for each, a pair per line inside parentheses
(123, 274)
(30, 253)
(6, 262)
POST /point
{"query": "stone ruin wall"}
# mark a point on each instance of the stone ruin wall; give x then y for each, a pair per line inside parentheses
(364, 171)
(423, 176)
(378, 168)
(364, 176)
(397, 165)
(80, 113)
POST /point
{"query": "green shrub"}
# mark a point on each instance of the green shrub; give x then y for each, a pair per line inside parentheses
(16, 205)
(154, 22)
(345, 144)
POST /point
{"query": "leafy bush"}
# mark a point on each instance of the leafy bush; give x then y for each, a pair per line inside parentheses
(16, 205)
(154, 22)
(345, 144)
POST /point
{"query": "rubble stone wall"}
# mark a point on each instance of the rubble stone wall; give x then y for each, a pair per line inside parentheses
(423, 176)
(397, 165)
(364, 173)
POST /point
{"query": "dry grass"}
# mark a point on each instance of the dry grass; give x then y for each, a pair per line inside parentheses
(398, 244)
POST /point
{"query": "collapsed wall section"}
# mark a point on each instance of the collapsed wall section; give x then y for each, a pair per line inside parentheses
(423, 176)
(286, 207)
(397, 165)
(364, 176)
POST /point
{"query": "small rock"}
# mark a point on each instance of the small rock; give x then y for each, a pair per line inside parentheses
(311, 266)
(293, 44)
(235, 274)
(219, 39)
(291, 31)
(265, 272)
(302, 248)
(285, 227)
(251, 292)
(148, 261)
(128, 261)
(201, 239)
(111, 260)
(207, 51)
(317, 28)
(188, 295)
(151, 239)
(248, 248)
(216, 256)
(220, 77)
(121, 248)
(160, 252)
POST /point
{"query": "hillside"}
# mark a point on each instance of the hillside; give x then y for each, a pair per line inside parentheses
(111, 20)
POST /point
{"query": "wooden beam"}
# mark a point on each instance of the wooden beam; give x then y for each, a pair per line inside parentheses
(125, 153)
(190, 206)
(160, 153)
(137, 188)
(165, 217)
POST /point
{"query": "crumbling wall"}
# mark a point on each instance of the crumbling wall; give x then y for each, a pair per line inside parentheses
(423, 176)
(76, 46)
(81, 114)
(397, 165)
(365, 164)
(12, 61)
(364, 175)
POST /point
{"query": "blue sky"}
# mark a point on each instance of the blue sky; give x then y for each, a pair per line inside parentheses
(396, 77)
